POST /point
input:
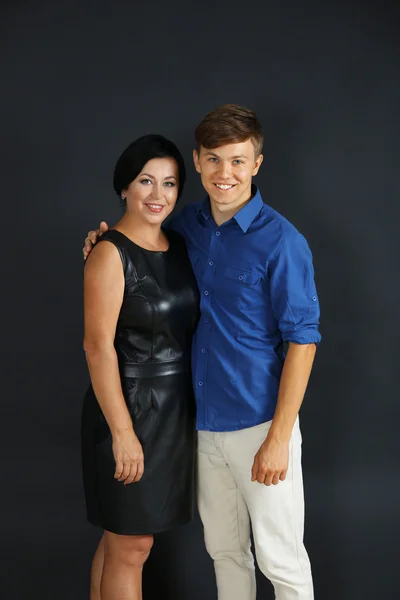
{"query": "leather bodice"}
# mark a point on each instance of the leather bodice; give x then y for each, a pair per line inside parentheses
(160, 308)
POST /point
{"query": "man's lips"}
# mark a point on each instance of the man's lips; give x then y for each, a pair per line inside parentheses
(225, 186)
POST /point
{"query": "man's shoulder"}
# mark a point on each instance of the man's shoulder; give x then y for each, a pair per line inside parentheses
(183, 221)
(190, 210)
(287, 231)
(186, 215)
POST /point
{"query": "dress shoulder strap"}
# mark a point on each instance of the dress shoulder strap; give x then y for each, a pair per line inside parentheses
(119, 241)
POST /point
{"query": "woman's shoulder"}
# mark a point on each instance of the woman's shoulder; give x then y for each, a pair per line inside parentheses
(115, 237)
(107, 255)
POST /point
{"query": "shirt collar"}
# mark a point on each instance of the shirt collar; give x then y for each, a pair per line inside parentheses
(246, 215)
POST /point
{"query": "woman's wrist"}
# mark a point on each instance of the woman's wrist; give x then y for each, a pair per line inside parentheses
(119, 431)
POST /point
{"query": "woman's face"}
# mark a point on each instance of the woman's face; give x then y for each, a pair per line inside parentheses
(152, 195)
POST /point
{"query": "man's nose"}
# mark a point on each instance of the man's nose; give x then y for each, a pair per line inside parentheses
(225, 169)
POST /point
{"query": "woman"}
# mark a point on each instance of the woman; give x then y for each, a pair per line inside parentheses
(138, 423)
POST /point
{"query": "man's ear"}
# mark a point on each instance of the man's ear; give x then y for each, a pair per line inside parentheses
(257, 164)
(196, 160)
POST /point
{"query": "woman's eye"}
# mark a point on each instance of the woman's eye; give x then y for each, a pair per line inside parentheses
(169, 183)
(145, 181)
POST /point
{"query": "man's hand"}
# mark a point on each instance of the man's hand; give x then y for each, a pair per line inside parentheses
(92, 238)
(271, 462)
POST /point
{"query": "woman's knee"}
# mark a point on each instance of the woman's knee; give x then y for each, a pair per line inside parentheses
(129, 549)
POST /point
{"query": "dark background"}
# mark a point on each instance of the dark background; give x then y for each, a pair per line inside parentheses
(81, 80)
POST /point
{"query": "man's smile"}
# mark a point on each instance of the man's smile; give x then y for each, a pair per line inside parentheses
(224, 186)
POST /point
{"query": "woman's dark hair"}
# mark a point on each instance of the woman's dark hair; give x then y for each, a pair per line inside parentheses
(137, 154)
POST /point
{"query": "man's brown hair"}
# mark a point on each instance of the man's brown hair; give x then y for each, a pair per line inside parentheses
(229, 124)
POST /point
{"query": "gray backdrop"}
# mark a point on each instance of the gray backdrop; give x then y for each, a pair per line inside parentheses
(80, 81)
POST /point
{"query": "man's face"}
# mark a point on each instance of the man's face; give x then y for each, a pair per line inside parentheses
(226, 173)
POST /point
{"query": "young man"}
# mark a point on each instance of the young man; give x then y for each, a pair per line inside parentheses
(252, 358)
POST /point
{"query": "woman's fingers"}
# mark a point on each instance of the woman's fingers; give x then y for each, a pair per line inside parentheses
(129, 459)
(140, 471)
(125, 471)
(129, 471)
(119, 467)
(132, 473)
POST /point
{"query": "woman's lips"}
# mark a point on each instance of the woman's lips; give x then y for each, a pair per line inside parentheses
(155, 208)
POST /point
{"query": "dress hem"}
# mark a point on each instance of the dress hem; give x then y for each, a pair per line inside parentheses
(118, 531)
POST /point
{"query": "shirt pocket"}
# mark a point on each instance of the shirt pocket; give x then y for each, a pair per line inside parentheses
(241, 287)
(242, 276)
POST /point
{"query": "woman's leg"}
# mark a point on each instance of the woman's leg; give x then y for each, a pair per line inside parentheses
(124, 557)
(97, 571)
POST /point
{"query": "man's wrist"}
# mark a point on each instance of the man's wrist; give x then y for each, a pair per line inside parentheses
(280, 433)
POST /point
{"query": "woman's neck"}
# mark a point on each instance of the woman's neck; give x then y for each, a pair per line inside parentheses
(149, 236)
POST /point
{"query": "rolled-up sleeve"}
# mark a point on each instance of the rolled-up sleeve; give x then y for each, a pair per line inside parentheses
(293, 293)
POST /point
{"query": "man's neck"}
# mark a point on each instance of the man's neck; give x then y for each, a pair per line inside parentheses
(222, 216)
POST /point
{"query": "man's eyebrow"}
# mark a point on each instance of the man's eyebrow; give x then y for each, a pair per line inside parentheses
(209, 153)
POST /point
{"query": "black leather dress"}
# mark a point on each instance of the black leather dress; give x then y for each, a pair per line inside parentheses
(153, 340)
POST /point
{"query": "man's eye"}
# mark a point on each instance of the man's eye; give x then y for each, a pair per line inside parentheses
(237, 161)
(212, 159)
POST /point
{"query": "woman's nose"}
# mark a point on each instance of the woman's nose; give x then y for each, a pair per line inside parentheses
(157, 191)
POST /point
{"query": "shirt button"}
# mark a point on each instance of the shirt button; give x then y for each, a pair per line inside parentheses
(217, 233)
(314, 298)
(211, 263)
(200, 383)
(203, 350)
(206, 320)
(241, 277)
(206, 292)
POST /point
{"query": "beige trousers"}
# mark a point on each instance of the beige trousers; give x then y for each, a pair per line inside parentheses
(230, 503)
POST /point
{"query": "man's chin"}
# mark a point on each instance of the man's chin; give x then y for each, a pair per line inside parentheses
(224, 204)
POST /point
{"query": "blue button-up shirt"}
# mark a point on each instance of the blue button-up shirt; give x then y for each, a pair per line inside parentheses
(256, 282)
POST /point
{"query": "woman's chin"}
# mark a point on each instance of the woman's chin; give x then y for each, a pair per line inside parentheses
(147, 218)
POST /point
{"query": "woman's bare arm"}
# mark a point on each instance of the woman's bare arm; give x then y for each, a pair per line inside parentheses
(103, 295)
